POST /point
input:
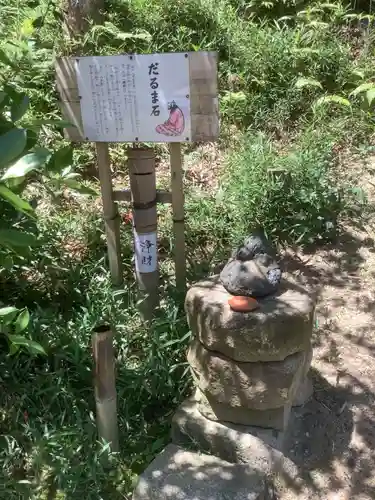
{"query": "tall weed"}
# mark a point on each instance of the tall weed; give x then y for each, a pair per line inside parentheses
(298, 200)
(259, 62)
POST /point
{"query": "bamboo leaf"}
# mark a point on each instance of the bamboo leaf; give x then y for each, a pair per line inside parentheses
(18, 203)
(16, 238)
(307, 82)
(61, 159)
(12, 144)
(21, 341)
(77, 186)
(363, 88)
(7, 314)
(335, 99)
(19, 108)
(370, 96)
(22, 321)
(26, 164)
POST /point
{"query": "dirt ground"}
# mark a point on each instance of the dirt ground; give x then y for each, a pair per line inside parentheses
(332, 438)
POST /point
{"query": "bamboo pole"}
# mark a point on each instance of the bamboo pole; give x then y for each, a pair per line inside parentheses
(125, 195)
(141, 164)
(111, 216)
(178, 214)
(105, 386)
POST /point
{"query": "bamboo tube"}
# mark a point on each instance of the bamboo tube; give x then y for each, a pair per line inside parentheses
(105, 386)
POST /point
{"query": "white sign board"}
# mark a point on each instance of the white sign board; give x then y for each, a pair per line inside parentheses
(145, 252)
(130, 98)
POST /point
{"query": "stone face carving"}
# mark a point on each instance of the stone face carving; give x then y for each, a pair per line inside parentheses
(252, 270)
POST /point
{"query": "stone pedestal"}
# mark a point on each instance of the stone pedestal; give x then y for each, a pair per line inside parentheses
(232, 442)
(177, 474)
(249, 368)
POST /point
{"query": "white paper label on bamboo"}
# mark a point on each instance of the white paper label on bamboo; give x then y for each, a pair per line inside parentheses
(130, 98)
(145, 252)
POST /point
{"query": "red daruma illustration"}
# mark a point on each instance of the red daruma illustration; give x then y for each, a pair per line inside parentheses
(175, 124)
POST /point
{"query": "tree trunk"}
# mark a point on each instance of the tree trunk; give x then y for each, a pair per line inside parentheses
(78, 14)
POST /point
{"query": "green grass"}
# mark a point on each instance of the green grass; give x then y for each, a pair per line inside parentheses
(47, 418)
(48, 439)
(47, 423)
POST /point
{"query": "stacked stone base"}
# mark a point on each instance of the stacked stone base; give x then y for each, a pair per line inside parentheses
(177, 474)
(259, 448)
(250, 369)
(232, 442)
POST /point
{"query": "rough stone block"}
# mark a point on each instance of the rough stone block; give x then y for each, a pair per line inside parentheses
(176, 474)
(304, 392)
(261, 448)
(274, 418)
(234, 443)
(259, 386)
(305, 388)
(281, 326)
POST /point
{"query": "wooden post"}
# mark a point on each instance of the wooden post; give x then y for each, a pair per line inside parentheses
(77, 96)
(111, 216)
(177, 189)
(141, 164)
(105, 386)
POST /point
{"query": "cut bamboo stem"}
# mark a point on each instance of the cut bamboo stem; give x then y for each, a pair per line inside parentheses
(141, 164)
(178, 214)
(105, 386)
(111, 216)
(125, 195)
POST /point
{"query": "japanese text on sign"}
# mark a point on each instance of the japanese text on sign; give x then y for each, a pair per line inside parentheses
(145, 252)
(154, 72)
(132, 98)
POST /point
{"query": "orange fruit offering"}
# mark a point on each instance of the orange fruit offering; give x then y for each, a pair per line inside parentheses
(243, 304)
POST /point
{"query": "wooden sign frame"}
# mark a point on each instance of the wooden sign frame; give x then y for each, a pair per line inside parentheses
(204, 117)
(204, 112)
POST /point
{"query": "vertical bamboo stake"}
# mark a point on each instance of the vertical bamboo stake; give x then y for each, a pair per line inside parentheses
(105, 386)
(111, 216)
(143, 191)
(178, 214)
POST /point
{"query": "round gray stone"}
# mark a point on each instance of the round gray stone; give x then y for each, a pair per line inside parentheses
(253, 270)
(256, 244)
(252, 278)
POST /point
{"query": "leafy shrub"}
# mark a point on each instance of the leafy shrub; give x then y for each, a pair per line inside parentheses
(258, 63)
(297, 201)
(24, 162)
(12, 323)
